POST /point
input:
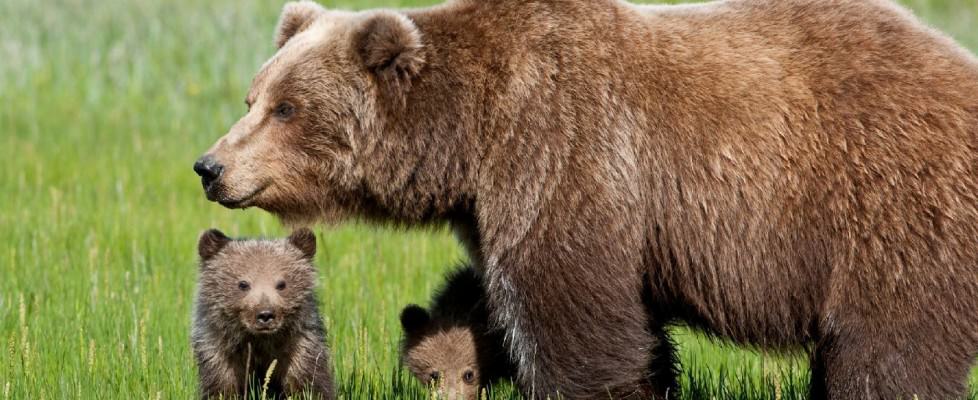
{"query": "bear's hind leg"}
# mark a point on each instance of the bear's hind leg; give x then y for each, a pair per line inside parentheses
(890, 364)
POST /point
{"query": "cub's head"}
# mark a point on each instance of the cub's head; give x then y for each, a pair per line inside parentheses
(313, 111)
(442, 356)
(256, 285)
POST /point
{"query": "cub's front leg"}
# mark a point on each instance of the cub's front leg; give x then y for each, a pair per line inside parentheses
(309, 371)
(218, 379)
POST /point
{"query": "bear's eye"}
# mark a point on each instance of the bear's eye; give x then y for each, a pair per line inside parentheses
(433, 377)
(284, 110)
(468, 377)
(280, 285)
(244, 286)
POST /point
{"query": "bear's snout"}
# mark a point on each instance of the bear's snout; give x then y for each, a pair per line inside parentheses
(208, 169)
(265, 317)
(264, 321)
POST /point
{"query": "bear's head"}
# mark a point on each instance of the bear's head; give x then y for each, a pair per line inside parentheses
(314, 114)
(258, 285)
(443, 356)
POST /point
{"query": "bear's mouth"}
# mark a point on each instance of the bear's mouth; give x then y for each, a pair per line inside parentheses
(243, 202)
(255, 328)
(264, 330)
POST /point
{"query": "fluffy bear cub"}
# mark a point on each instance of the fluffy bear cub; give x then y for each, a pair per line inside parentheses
(451, 347)
(256, 315)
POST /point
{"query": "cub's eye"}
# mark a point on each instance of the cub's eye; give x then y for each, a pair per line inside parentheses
(433, 377)
(244, 286)
(280, 285)
(284, 110)
(468, 377)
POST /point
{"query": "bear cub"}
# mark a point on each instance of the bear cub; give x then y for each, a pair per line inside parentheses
(256, 306)
(452, 347)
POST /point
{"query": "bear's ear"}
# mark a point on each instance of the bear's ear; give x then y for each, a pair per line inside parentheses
(304, 240)
(414, 319)
(390, 46)
(296, 17)
(210, 243)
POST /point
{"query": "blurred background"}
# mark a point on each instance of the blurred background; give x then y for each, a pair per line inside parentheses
(104, 105)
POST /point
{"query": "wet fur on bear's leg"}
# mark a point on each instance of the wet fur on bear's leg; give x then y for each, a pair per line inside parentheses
(664, 366)
(609, 319)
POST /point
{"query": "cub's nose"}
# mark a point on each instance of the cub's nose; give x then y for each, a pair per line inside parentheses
(208, 169)
(265, 317)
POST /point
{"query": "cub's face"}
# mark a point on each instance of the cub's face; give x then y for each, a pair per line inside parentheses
(310, 113)
(444, 358)
(257, 285)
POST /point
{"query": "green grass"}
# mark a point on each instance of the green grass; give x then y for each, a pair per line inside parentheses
(103, 107)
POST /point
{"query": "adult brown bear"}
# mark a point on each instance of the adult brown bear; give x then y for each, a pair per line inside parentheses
(781, 173)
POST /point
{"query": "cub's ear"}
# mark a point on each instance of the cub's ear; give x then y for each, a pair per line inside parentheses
(389, 44)
(296, 17)
(210, 243)
(304, 240)
(414, 319)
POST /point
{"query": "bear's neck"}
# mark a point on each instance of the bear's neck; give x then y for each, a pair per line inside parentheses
(425, 162)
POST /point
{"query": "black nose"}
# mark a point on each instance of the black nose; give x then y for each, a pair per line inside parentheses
(208, 169)
(265, 317)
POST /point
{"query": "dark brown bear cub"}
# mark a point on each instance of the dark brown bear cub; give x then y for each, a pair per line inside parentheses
(452, 348)
(256, 314)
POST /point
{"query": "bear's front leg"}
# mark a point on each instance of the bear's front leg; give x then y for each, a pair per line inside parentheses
(218, 379)
(310, 370)
(575, 322)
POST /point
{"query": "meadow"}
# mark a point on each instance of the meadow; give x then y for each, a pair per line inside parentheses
(104, 105)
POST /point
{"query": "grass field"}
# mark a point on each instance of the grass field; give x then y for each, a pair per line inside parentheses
(104, 105)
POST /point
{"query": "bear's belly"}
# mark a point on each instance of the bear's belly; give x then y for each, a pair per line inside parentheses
(773, 307)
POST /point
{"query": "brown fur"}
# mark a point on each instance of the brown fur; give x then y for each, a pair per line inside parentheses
(452, 346)
(781, 173)
(239, 279)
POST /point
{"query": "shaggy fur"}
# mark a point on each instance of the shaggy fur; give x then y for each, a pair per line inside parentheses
(235, 343)
(452, 346)
(780, 173)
